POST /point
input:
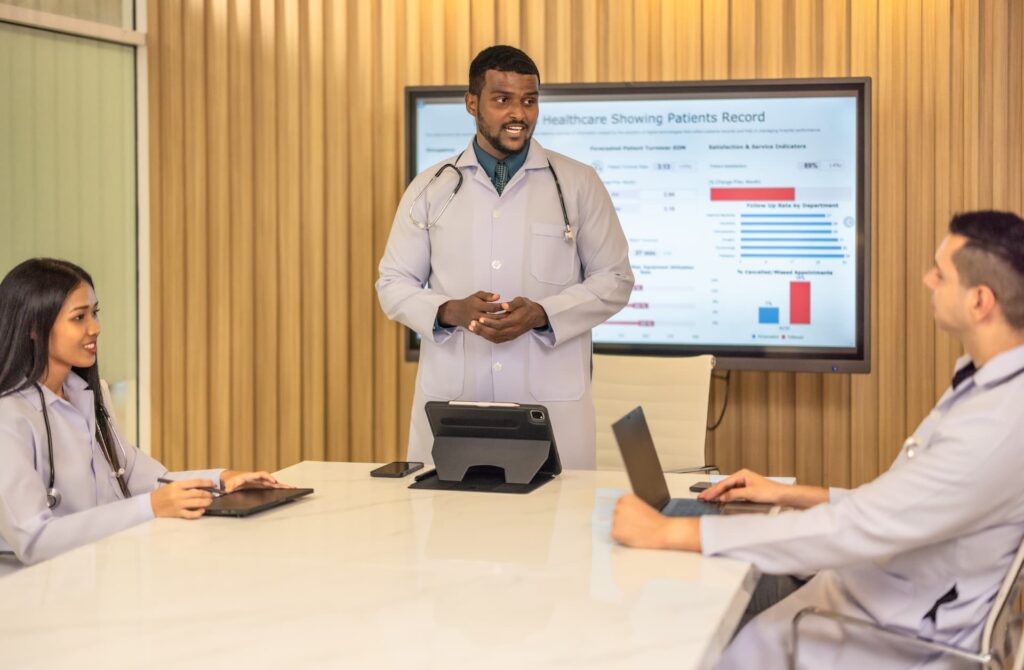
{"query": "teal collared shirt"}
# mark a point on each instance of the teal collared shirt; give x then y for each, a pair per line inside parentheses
(513, 162)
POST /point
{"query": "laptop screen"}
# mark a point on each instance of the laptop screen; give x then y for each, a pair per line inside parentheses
(641, 459)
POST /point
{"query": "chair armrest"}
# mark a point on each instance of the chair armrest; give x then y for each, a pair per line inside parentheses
(897, 634)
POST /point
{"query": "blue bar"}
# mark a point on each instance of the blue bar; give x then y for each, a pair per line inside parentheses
(785, 216)
(767, 314)
(789, 239)
(785, 223)
(798, 231)
(792, 256)
(784, 248)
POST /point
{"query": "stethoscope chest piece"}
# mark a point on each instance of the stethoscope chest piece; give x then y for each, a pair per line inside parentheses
(52, 498)
(910, 446)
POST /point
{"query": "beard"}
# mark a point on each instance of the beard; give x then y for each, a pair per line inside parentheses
(495, 139)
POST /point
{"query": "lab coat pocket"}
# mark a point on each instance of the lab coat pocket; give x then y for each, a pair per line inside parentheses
(442, 367)
(552, 258)
(556, 373)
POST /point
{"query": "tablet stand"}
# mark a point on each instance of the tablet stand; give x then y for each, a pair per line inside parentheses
(487, 464)
(520, 459)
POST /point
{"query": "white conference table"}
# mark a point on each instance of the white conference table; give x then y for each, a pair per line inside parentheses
(366, 573)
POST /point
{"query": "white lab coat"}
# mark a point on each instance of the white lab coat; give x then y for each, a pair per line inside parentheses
(512, 245)
(952, 515)
(92, 505)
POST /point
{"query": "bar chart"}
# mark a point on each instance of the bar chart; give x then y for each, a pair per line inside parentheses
(800, 303)
(790, 235)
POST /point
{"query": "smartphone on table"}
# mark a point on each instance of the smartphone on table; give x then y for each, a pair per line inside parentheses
(396, 469)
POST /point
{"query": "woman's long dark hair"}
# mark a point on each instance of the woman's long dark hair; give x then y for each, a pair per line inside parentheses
(31, 297)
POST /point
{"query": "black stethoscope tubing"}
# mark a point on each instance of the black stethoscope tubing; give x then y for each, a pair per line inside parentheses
(53, 496)
(568, 234)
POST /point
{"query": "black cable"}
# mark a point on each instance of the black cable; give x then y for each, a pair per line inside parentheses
(725, 403)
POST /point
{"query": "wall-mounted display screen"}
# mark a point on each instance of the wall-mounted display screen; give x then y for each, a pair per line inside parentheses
(746, 207)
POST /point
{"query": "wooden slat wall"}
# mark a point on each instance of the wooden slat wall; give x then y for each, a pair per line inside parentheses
(276, 165)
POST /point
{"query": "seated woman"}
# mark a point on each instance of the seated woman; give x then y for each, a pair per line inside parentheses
(67, 476)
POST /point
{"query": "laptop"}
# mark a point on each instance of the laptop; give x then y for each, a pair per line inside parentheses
(250, 501)
(648, 480)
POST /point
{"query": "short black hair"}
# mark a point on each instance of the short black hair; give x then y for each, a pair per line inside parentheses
(993, 256)
(502, 58)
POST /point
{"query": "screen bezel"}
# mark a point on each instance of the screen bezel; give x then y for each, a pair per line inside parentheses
(855, 359)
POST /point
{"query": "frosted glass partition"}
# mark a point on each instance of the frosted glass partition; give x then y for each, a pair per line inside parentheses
(67, 177)
(111, 12)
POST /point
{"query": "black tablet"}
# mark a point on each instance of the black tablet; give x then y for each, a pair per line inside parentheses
(251, 501)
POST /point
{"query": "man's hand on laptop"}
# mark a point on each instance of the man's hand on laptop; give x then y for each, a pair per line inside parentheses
(637, 524)
(233, 480)
(749, 486)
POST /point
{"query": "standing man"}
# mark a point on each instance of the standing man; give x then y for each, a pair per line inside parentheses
(924, 546)
(505, 283)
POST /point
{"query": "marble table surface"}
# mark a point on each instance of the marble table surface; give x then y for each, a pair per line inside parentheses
(366, 573)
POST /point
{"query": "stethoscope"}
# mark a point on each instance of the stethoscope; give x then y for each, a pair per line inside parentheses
(910, 447)
(430, 223)
(912, 444)
(53, 496)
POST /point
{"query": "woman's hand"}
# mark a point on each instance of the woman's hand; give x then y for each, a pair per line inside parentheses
(637, 524)
(181, 499)
(233, 480)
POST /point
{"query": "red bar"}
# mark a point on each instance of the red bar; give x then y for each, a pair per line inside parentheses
(799, 302)
(787, 194)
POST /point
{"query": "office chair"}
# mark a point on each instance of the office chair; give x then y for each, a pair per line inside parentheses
(674, 394)
(1000, 649)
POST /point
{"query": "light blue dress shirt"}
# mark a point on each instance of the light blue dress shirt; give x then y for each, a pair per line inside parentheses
(92, 505)
(488, 162)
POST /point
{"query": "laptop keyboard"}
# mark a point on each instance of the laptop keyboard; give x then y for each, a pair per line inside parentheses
(690, 507)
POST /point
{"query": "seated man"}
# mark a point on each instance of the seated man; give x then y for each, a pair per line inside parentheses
(924, 546)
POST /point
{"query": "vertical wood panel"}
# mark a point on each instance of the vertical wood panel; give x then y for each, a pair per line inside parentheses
(482, 23)
(313, 257)
(197, 403)
(585, 63)
(534, 29)
(891, 240)
(386, 194)
(918, 219)
(243, 303)
(456, 41)
(864, 388)
(169, 360)
(277, 160)
(219, 230)
(508, 27)
(266, 300)
(1015, 132)
(363, 308)
(336, 166)
(288, 223)
(939, 82)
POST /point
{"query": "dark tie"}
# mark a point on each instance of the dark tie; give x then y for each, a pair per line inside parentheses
(963, 374)
(500, 176)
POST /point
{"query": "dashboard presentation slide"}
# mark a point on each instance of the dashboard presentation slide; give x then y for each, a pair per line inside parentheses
(740, 212)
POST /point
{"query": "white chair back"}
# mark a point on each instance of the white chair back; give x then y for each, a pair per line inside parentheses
(674, 394)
